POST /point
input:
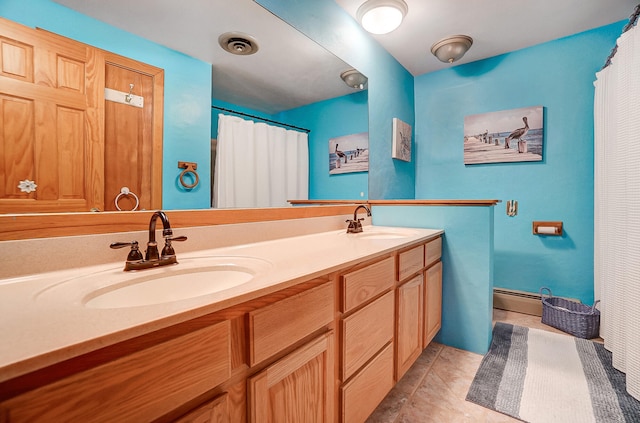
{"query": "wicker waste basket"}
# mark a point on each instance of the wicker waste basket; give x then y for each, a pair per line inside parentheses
(574, 318)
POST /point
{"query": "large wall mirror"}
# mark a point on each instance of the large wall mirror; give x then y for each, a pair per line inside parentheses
(289, 80)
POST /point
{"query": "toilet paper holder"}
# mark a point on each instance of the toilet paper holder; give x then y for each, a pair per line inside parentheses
(547, 228)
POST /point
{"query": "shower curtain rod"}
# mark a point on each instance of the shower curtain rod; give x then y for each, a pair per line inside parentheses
(263, 119)
(632, 21)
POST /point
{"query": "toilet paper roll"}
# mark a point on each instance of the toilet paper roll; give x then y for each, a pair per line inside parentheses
(547, 230)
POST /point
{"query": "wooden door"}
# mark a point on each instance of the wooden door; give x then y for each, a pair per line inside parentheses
(409, 324)
(298, 388)
(132, 158)
(433, 302)
(50, 134)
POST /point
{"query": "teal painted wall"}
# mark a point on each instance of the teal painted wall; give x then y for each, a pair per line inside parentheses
(187, 90)
(468, 263)
(558, 75)
(390, 85)
(328, 119)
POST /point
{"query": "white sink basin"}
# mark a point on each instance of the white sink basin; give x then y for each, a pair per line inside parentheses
(373, 233)
(190, 278)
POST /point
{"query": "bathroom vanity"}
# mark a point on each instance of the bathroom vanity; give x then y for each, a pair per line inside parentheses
(320, 330)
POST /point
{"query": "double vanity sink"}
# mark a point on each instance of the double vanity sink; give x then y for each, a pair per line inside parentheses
(193, 277)
(53, 316)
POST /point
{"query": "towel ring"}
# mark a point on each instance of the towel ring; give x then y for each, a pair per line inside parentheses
(126, 191)
(189, 167)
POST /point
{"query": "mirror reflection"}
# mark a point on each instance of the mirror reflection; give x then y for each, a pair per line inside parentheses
(289, 83)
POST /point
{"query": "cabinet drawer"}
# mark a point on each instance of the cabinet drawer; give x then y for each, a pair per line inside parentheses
(140, 387)
(362, 394)
(410, 261)
(361, 285)
(282, 324)
(365, 332)
(216, 411)
(433, 251)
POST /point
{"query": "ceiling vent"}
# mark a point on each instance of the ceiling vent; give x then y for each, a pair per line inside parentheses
(238, 43)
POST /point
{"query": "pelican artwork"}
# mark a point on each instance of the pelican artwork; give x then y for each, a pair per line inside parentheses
(517, 134)
(341, 154)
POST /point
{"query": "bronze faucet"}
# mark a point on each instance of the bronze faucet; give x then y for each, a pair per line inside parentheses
(354, 225)
(135, 261)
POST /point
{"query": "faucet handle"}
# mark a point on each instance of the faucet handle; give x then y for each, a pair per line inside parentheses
(168, 248)
(176, 238)
(134, 255)
(116, 245)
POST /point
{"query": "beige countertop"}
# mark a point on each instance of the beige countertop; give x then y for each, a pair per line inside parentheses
(45, 318)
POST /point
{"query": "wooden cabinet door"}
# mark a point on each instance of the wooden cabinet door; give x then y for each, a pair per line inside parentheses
(50, 131)
(433, 302)
(297, 388)
(409, 324)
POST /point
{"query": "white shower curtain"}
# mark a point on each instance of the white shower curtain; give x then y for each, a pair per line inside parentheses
(259, 165)
(617, 206)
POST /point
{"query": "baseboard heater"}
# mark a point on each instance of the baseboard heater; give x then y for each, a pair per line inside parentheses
(518, 301)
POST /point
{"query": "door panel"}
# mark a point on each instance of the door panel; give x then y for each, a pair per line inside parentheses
(128, 139)
(47, 109)
(297, 388)
(17, 135)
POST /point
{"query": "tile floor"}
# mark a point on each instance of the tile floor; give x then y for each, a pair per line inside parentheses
(435, 387)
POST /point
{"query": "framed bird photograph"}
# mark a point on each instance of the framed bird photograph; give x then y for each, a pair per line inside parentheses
(515, 135)
(349, 153)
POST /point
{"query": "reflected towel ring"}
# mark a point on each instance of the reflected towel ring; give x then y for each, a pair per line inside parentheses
(126, 191)
(189, 167)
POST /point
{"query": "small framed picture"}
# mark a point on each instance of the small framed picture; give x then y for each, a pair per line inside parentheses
(401, 149)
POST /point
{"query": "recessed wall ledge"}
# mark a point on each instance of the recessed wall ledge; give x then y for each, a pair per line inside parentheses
(424, 202)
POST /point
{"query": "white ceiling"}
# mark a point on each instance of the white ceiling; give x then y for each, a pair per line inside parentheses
(496, 26)
(290, 70)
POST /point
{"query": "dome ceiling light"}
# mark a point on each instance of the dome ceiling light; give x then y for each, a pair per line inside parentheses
(381, 16)
(452, 48)
(238, 43)
(354, 79)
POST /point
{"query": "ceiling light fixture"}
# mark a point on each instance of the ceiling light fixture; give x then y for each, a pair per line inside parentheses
(354, 79)
(452, 48)
(381, 16)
